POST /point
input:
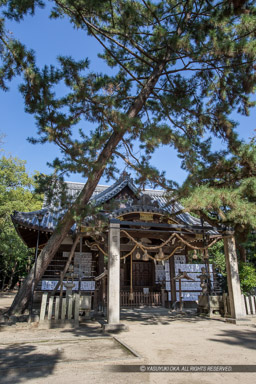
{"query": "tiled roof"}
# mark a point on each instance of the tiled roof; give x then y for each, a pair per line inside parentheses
(114, 189)
(101, 194)
(73, 190)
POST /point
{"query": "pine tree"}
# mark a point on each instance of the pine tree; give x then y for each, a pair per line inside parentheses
(221, 188)
(177, 70)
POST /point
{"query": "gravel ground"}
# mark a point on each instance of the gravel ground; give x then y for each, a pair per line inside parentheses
(32, 354)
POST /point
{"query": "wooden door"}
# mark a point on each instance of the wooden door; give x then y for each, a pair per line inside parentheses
(143, 272)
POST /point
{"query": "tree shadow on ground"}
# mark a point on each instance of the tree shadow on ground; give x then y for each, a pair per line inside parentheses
(143, 316)
(19, 363)
(91, 329)
(243, 338)
(164, 316)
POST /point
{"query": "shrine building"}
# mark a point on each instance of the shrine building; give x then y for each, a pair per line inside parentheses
(132, 253)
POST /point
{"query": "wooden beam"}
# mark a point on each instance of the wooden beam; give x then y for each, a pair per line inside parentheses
(129, 247)
(194, 228)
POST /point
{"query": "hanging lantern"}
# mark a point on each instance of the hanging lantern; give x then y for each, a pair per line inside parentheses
(206, 255)
(195, 255)
(137, 256)
(160, 254)
(145, 256)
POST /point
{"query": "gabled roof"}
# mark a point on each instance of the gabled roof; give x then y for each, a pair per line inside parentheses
(102, 194)
(113, 190)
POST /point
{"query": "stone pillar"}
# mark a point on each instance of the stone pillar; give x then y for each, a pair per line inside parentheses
(234, 289)
(114, 279)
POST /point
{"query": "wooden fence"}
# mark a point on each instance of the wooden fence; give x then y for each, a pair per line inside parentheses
(249, 305)
(140, 298)
(66, 309)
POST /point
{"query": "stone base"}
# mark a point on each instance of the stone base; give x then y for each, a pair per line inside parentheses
(51, 324)
(207, 305)
(115, 328)
(240, 321)
(99, 314)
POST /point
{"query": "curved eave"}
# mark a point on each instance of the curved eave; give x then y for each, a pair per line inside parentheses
(29, 234)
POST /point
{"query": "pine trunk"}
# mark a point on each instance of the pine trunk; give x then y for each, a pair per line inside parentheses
(22, 298)
(242, 252)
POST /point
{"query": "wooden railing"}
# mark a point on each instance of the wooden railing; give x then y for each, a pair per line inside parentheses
(140, 298)
(250, 304)
(248, 301)
(66, 309)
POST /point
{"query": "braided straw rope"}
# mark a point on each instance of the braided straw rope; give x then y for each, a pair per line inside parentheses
(143, 247)
(166, 257)
(147, 247)
(98, 246)
(151, 248)
(198, 248)
(129, 253)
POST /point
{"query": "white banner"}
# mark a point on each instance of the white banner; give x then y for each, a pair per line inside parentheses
(83, 263)
(159, 273)
(191, 268)
(49, 285)
(189, 286)
(167, 276)
(188, 296)
(167, 285)
(180, 259)
(167, 266)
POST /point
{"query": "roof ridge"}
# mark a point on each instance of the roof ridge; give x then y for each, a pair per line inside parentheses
(79, 182)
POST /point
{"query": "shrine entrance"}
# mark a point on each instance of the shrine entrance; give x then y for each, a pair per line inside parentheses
(138, 288)
(139, 249)
(142, 274)
(151, 247)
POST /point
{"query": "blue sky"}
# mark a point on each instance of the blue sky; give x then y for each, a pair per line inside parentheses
(50, 38)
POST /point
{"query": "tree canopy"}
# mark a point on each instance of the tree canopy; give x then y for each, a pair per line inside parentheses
(177, 70)
(223, 187)
(16, 193)
(195, 58)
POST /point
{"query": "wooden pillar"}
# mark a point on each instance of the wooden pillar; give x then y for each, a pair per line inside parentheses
(101, 263)
(234, 289)
(114, 279)
(101, 270)
(96, 300)
(173, 281)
